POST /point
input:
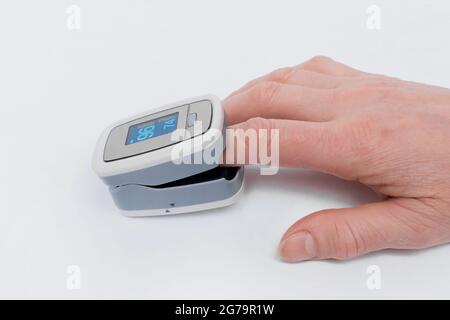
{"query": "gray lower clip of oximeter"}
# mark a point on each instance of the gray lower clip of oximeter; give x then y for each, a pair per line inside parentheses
(140, 197)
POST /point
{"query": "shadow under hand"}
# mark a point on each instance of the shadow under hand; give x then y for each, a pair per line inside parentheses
(317, 184)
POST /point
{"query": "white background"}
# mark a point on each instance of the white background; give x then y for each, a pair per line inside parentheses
(59, 88)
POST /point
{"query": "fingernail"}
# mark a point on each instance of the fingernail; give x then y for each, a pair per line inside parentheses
(298, 247)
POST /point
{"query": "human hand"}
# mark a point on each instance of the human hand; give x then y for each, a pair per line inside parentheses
(389, 134)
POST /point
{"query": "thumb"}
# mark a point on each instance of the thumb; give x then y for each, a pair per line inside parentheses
(346, 233)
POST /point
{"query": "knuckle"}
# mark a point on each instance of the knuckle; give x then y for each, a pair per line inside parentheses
(265, 92)
(258, 122)
(281, 75)
(318, 60)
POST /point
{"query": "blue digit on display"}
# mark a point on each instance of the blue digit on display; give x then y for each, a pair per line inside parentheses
(169, 124)
(146, 133)
(153, 128)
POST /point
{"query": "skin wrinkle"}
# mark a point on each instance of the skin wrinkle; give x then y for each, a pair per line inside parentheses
(284, 77)
(417, 222)
(401, 243)
(424, 202)
(376, 230)
(336, 232)
(354, 239)
(269, 92)
(386, 133)
(306, 73)
(416, 182)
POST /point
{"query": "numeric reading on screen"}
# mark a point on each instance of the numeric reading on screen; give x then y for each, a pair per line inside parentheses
(152, 128)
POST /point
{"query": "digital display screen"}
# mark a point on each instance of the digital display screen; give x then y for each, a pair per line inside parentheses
(153, 128)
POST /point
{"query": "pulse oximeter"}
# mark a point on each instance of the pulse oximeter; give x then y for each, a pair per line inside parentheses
(166, 161)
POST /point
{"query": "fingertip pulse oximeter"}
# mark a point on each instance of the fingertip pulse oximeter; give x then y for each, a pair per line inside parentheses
(166, 161)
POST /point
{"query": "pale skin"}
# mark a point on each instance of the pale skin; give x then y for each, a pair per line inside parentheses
(389, 134)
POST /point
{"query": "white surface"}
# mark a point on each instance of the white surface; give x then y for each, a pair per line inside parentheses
(131, 55)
